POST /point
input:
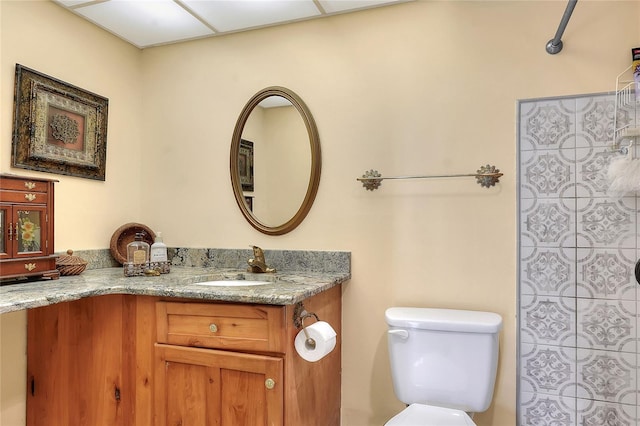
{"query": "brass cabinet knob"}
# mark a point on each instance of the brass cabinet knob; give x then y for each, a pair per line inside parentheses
(270, 384)
(213, 328)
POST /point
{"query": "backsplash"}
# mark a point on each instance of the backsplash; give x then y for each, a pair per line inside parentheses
(96, 259)
(282, 260)
(578, 298)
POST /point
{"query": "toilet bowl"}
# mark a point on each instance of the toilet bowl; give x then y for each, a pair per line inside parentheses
(428, 415)
(443, 364)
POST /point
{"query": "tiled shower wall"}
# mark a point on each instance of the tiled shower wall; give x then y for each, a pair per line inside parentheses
(578, 297)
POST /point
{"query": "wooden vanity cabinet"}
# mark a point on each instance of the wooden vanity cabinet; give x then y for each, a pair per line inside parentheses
(142, 360)
(79, 363)
(244, 361)
(26, 228)
(240, 384)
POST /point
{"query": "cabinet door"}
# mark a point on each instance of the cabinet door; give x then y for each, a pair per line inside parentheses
(23, 231)
(205, 387)
(76, 359)
(5, 234)
(29, 231)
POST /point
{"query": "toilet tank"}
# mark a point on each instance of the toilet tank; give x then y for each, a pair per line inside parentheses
(443, 357)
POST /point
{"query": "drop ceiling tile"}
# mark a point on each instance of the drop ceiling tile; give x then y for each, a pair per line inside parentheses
(242, 14)
(339, 6)
(145, 22)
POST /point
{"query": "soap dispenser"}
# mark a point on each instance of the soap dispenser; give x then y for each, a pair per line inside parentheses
(158, 249)
(138, 251)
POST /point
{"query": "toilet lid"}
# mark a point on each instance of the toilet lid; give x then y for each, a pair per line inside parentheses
(428, 415)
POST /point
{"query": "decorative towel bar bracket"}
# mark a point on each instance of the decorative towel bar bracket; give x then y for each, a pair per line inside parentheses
(487, 176)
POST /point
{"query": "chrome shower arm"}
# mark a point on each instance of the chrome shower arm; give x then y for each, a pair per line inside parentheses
(555, 44)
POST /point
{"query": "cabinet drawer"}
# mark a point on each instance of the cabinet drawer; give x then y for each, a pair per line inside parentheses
(31, 197)
(28, 266)
(23, 185)
(222, 326)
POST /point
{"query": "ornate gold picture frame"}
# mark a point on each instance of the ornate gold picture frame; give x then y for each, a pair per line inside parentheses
(245, 165)
(58, 128)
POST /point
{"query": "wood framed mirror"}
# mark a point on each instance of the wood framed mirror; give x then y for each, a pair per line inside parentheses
(275, 161)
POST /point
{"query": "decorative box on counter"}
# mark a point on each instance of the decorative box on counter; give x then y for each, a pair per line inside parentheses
(68, 264)
(140, 269)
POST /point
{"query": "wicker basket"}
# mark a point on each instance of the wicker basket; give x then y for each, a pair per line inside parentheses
(126, 234)
(68, 264)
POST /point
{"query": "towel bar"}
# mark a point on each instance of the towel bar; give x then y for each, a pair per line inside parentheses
(487, 176)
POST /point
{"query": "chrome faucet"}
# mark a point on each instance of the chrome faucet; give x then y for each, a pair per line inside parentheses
(258, 264)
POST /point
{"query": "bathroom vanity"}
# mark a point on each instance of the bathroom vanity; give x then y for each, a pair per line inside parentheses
(165, 351)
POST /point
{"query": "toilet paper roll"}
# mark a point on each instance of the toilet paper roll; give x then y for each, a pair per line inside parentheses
(324, 336)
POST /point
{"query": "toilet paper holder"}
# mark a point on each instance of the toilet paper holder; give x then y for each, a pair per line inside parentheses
(299, 315)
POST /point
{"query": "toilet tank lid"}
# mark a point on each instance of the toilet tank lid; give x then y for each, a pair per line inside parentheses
(444, 319)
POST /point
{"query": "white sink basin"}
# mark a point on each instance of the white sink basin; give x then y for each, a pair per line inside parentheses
(233, 283)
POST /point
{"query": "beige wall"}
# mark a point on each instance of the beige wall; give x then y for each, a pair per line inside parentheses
(287, 163)
(281, 163)
(45, 37)
(423, 87)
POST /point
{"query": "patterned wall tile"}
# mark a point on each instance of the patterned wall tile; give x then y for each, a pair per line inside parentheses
(607, 376)
(547, 174)
(594, 120)
(547, 124)
(548, 369)
(548, 320)
(606, 273)
(638, 341)
(598, 413)
(548, 271)
(591, 171)
(546, 410)
(578, 298)
(606, 324)
(606, 222)
(547, 222)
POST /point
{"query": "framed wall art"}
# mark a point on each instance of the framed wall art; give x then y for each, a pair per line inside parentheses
(249, 200)
(245, 164)
(58, 128)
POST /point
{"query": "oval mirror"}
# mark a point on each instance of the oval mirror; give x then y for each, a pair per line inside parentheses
(275, 161)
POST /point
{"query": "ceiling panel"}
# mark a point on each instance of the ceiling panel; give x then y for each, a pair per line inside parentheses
(237, 15)
(340, 6)
(146, 23)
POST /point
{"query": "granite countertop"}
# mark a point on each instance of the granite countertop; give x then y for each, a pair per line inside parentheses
(287, 288)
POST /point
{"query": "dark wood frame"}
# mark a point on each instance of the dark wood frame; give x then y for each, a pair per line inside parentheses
(58, 128)
(249, 200)
(245, 164)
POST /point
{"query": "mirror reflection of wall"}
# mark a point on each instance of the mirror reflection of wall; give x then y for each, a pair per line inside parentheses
(281, 163)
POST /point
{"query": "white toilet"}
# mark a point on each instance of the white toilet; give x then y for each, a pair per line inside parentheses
(443, 364)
